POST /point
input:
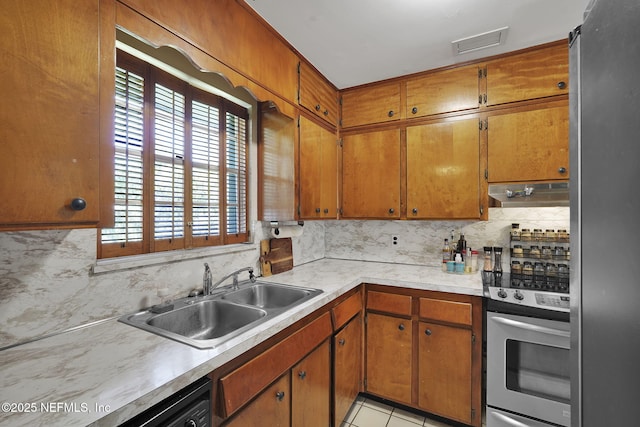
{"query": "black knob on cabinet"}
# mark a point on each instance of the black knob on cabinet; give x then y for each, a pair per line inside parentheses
(562, 85)
(317, 210)
(428, 332)
(342, 341)
(390, 113)
(414, 211)
(326, 211)
(562, 169)
(325, 112)
(280, 395)
(401, 326)
(317, 107)
(391, 210)
(414, 110)
(78, 204)
(302, 374)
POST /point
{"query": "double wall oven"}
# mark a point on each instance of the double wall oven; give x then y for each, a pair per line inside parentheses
(527, 353)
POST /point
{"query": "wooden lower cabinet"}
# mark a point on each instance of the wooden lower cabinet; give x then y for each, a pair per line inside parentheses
(347, 362)
(389, 351)
(271, 408)
(310, 389)
(424, 351)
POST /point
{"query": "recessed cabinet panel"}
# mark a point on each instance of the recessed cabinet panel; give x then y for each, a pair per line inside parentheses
(443, 91)
(529, 146)
(311, 389)
(371, 175)
(317, 96)
(318, 171)
(347, 346)
(50, 113)
(529, 75)
(443, 170)
(272, 407)
(371, 104)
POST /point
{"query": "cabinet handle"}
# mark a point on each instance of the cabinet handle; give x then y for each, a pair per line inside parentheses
(428, 332)
(415, 211)
(401, 326)
(390, 113)
(562, 169)
(414, 110)
(302, 374)
(317, 107)
(78, 204)
(391, 210)
(562, 85)
(280, 396)
(341, 341)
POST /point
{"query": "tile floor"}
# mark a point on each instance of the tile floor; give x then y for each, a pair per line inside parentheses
(371, 413)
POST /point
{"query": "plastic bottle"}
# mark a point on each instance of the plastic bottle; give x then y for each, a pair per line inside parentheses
(446, 254)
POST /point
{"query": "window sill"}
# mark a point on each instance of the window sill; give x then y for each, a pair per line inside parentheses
(103, 266)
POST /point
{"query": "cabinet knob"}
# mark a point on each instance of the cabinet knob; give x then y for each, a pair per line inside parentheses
(562, 85)
(401, 326)
(428, 332)
(562, 169)
(341, 341)
(391, 211)
(390, 113)
(317, 107)
(280, 396)
(302, 374)
(326, 211)
(414, 211)
(317, 210)
(325, 112)
(414, 110)
(78, 204)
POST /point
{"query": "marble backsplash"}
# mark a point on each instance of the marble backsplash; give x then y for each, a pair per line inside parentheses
(47, 284)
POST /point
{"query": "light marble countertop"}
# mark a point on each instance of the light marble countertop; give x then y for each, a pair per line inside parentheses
(106, 373)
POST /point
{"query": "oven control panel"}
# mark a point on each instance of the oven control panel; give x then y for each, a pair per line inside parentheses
(531, 298)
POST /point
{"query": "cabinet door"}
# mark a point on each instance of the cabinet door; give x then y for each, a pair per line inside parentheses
(318, 171)
(271, 408)
(445, 371)
(530, 75)
(529, 146)
(443, 91)
(371, 104)
(49, 112)
(317, 95)
(347, 362)
(389, 348)
(443, 170)
(371, 175)
(311, 389)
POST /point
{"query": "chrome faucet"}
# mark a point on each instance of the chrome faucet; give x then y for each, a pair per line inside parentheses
(235, 279)
(207, 279)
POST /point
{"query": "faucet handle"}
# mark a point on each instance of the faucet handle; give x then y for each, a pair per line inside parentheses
(252, 277)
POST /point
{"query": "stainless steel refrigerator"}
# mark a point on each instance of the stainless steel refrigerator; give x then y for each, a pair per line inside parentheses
(604, 102)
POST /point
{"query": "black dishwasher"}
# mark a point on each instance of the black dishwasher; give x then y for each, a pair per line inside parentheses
(190, 407)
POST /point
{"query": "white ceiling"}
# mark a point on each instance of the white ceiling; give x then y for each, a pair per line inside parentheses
(353, 42)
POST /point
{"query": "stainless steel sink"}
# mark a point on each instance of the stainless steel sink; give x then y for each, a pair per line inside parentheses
(208, 321)
(269, 295)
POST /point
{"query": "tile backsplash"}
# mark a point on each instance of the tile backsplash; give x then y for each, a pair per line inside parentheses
(47, 285)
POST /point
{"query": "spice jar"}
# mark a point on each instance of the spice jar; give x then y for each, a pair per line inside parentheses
(563, 278)
(563, 236)
(525, 235)
(488, 266)
(546, 253)
(558, 253)
(538, 235)
(551, 274)
(550, 235)
(474, 260)
(516, 267)
(515, 232)
(534, 252)
(538, 275)
(517, 251)
(527, 274)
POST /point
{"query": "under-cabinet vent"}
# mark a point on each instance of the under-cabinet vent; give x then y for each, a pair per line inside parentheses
(480, 41)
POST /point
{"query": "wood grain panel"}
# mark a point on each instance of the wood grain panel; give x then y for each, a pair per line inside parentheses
(446, 311)
(267, 409)
(317, 95)
(377, 103)
(389, 303)
(311, 389)
(346, 310)
(347, 346)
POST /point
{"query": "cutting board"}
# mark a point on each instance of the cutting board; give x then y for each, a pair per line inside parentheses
(276, 256)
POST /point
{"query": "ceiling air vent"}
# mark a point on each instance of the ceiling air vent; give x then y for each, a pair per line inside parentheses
(480, 41)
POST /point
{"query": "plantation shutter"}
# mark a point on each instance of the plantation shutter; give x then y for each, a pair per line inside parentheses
(236, 176)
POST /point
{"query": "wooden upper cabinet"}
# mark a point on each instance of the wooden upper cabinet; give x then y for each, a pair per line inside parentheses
(443, 91)
(443, 172)
(50, 114)
(371, 175)
(318, 171)
(529, 75)
(377, 103)
(317, 95)
(529, 145)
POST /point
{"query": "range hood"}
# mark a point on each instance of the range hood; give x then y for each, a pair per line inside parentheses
(524, 195)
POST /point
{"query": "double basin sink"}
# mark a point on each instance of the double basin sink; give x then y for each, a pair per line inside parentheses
(207, 321)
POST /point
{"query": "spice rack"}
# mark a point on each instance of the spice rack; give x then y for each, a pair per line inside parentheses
(539, 259)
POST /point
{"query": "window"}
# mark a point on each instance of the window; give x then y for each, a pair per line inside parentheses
(180, 165)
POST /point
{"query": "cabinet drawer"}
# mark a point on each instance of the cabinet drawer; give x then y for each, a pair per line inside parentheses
(446, 311)
(346, 310)
(389, 303)
(241, 385)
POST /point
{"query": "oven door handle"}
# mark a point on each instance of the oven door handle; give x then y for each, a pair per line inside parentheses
(530, 327)
(508, 420)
